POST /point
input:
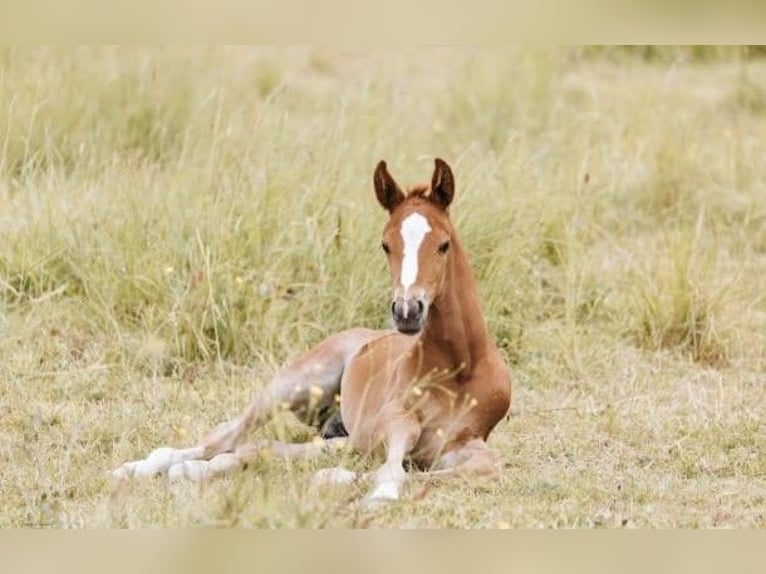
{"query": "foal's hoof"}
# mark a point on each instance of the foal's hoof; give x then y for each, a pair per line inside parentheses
(194, 470)
(197, 470)
(136, 469)
(383, 493)
(123, 472)
(329, 476)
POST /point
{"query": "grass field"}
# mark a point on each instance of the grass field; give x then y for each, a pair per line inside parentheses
(175, 223)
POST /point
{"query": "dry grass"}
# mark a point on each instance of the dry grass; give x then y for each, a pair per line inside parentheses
(176, 223)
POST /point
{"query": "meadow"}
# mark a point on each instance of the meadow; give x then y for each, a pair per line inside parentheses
(176, 223)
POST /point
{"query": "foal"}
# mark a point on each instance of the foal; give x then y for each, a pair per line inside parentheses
(430, 391)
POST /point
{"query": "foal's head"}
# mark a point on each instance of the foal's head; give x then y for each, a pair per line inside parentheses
(416, 240)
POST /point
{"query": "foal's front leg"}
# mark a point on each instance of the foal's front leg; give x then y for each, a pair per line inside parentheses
(311, 381)
(401, 435)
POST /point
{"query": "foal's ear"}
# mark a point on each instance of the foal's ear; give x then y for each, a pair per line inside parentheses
(386, 189)
(442, 184)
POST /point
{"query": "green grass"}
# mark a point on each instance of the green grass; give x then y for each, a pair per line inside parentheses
(178, 222)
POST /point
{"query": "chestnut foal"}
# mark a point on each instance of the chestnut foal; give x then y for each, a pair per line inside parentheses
(431, 391)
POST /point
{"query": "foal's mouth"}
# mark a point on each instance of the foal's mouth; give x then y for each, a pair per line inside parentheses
(408, 328)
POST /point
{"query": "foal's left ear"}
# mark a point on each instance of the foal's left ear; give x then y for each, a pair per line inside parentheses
(442, 184)
(388, 192)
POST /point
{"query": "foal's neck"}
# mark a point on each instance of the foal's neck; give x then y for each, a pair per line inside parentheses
(455, 322)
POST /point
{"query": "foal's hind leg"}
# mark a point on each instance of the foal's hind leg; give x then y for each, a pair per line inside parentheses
(198, 469)
(474, 458)
(310, 382)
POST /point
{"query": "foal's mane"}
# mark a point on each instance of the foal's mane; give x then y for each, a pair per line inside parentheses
(419, 190)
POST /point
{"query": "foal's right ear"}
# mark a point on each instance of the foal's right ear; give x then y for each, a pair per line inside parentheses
(386, 189)
(442, 184)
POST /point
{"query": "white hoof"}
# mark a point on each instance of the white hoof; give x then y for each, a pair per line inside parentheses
(161, 458)
(156, 463)
(384, 492)
(176, 472)
(124, 471)
(195, 470)
(225, 462)
(328, 476)
(144, 469)
(159, 461)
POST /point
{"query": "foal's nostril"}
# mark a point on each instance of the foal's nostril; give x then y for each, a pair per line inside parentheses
(408, 314)
(408, 310)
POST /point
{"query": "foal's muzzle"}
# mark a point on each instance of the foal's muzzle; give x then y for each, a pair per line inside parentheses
(409, 314)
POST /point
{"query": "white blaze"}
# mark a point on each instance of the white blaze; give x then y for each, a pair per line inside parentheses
(414, 229)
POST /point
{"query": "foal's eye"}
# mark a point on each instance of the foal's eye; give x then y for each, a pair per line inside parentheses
(385, 247)
(444, 247)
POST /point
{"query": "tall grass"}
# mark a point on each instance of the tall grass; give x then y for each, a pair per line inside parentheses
(674, 303)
